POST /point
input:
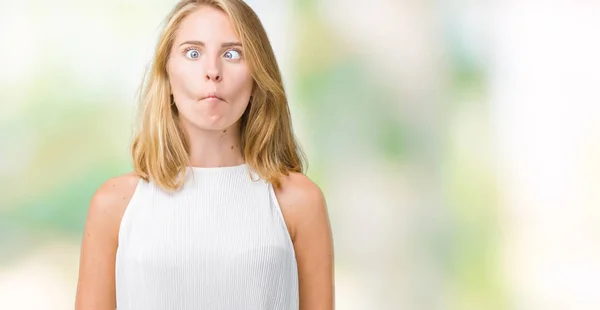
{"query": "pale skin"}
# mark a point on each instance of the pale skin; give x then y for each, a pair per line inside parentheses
(208, 64)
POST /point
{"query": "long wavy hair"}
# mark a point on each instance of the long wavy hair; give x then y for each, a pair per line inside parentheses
(160, 150)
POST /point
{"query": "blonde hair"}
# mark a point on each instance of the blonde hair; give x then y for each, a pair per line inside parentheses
(160, 149)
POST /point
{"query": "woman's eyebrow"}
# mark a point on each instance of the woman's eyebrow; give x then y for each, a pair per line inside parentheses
(200, 43)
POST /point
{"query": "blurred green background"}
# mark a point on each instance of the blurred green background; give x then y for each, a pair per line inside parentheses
(457, 142)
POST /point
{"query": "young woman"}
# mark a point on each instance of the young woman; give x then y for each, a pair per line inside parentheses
(217, 214)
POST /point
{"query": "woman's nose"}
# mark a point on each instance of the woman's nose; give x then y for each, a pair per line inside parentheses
(213, 71)
(213, 75)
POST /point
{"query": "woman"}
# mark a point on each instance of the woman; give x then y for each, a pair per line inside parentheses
(217, 214)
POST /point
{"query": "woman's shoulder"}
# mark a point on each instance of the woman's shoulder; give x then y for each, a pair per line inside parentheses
(116, 189)
(110, 200)
(300, 199)
(297, 185)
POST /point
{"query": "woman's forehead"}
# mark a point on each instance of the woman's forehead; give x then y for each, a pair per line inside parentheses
(207, 24)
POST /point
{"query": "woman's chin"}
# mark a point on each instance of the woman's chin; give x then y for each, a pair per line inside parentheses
(212, 122)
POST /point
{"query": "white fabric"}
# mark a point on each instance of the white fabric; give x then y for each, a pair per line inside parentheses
(220, 242)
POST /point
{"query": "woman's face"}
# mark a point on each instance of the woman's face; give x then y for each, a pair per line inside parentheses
(210, 79)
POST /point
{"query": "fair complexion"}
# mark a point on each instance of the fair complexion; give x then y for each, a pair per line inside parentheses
(211, 84)
(206, 61)
(96, 281)
(305, 211)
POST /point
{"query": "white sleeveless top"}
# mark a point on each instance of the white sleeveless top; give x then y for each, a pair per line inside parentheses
(220, 242)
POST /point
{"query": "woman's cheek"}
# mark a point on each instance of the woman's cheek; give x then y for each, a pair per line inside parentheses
(185, 82)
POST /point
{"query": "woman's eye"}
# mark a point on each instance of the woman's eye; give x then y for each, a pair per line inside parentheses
(193, 54)
(233, 54)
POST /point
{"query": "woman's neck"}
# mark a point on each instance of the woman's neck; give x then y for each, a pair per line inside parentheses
(210, 148)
